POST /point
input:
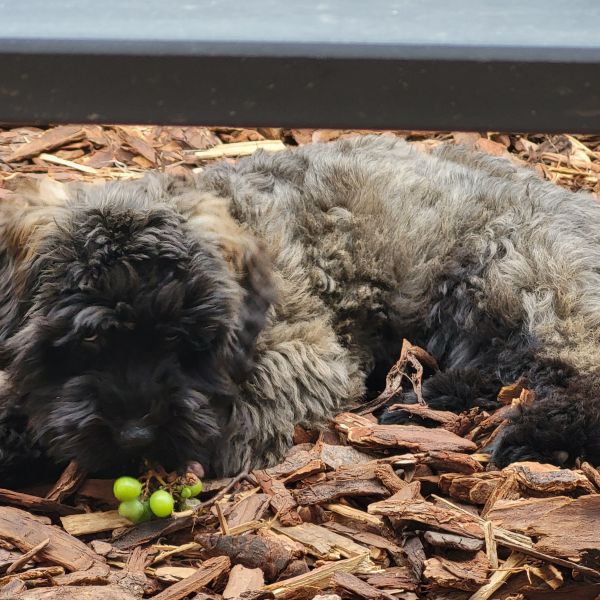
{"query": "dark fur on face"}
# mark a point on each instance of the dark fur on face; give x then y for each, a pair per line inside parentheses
(122, 328)
(200, 319)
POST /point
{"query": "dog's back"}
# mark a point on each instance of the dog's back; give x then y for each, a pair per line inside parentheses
(481, 261)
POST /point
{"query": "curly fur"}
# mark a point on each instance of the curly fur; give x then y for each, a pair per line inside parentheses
(201, 318)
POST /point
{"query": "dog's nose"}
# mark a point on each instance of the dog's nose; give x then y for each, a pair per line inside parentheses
(135, 436)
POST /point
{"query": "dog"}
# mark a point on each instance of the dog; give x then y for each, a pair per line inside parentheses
(200, 317)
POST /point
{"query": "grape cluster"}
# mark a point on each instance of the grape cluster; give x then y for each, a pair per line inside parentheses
(137, 505)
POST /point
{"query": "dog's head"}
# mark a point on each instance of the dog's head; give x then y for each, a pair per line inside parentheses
(132, 310)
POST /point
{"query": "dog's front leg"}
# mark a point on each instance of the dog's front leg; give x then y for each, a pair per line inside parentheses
(302, 376)
(21, 459)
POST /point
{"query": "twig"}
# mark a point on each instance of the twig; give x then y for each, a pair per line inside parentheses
(222, 520)
(23, 560)
(68, 163)
(223, 492)
(176, 550)
(239, 149)
(491, 549)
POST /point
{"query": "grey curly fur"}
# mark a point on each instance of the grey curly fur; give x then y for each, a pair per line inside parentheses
(340, 251)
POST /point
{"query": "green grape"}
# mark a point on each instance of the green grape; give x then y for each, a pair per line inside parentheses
(161, 503)
(185, 492)
(196, 489)
(147, 516)
(132, 510)
(127, 488)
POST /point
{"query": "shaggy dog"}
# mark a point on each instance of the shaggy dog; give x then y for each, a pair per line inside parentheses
(199, 319)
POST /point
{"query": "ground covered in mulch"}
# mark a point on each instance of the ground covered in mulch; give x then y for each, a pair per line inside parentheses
(359, 511)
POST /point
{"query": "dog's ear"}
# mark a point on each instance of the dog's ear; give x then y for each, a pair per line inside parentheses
(256, 280)
(25, 225)
(209, 218)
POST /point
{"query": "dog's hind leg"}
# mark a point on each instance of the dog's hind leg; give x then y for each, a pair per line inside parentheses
(561, 424)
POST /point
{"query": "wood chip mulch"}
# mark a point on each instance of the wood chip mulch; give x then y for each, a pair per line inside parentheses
(359, 510)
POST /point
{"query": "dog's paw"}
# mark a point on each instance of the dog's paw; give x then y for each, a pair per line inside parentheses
(396, 415)
(508, 447)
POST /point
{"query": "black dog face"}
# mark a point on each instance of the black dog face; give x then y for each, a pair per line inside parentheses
(133, 328)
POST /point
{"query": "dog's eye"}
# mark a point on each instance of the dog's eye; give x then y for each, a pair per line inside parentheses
(91, 338)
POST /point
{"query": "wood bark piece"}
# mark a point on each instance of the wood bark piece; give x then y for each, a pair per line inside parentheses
(26, 532)
(87, 592)
(100, 490)
(548, 519)
(452, 461)
(411, 492)
(250, 550)
(35, 574)
(355, 514)
(374, 541)
(500, 534)
(317, 578)
(336, 456)
(549, 574)
(394, 578)
(50, 139)
(499, 578)
(592, 474)
(358, 588)
(509, 489)
(452, 542)
(475, 488)
(98, 575)
(208, 572)
(171, 574)
(428, 514)
(296, 548)
(145, 532)
(549, 480)
(388, 477)
(331, 490)
(242, 579)
(467, 575)
(296, 466)
(137, 143)
(12, 589)
(406, 437)
(36, 504)
(133, 576)
(322, 542)
(71, 478)
(415, 555)
(281, 499)
(87, 523)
